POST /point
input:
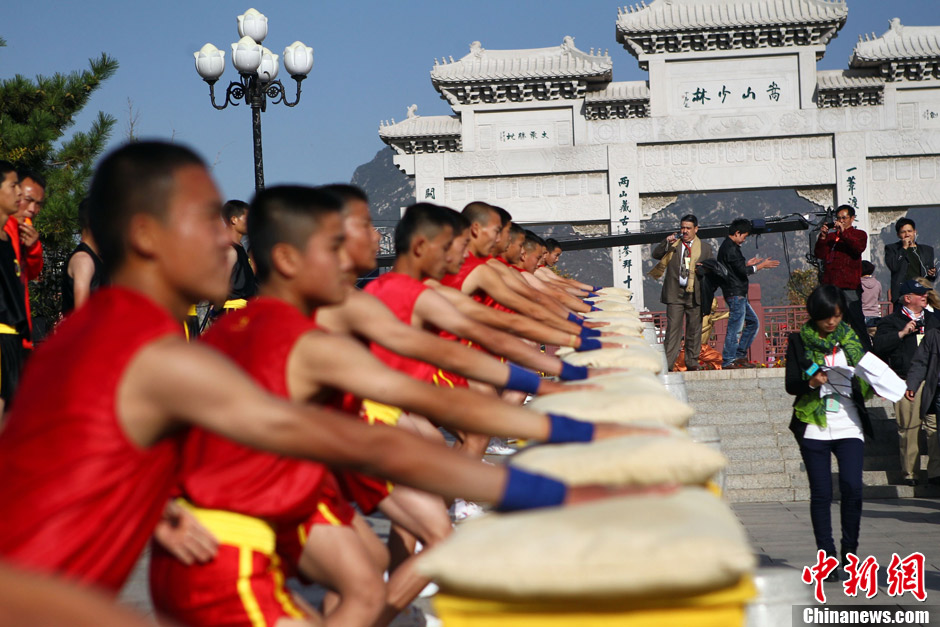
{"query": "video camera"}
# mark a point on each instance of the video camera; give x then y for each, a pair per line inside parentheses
(830, 218)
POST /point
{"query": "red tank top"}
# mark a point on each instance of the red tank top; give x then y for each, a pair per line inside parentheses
(78, 497)
(400, 292)
(220, 474)
(470, 263)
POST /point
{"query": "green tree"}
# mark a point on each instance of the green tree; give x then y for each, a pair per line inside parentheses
(801, 285)
(35, 115)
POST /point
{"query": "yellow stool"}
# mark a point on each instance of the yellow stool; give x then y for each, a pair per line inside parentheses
(721, 608)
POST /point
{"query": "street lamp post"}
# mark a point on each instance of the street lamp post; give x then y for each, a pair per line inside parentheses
(257, 68)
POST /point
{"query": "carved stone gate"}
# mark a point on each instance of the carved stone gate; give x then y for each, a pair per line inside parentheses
(733, 102)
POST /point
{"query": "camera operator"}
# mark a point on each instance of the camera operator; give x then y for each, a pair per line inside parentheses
(908, 259)
(896, 341)
(840, 247)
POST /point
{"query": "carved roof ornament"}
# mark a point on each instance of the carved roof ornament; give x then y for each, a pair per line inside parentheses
(902, 53)
(664, 26)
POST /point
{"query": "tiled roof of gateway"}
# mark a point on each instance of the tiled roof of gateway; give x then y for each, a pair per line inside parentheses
(680, 15)
(620, 91)
(898, 42)
(844, 79)
(564, 61)
(420, 126)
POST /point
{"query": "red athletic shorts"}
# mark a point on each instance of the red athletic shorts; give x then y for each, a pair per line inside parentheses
(243, 585)
(332, 509)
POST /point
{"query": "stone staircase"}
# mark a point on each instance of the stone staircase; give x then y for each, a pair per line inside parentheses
(751, 411)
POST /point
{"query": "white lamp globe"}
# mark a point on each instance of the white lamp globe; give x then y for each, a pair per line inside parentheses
(298, 59)
(210, 62)
(253, 24)
(267, 71)
(246, 55)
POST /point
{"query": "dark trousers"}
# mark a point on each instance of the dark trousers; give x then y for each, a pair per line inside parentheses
(691, 337)
(854, 316)
(817, 457)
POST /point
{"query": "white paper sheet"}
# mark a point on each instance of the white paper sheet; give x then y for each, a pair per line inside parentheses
(880, 377)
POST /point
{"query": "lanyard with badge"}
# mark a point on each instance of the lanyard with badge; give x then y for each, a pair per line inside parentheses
(686, 265)
(832, 400)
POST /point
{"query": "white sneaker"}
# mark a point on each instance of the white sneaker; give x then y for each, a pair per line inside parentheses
(495, 448)
(429, 590)
(465, 510)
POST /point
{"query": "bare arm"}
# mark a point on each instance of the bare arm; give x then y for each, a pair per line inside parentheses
(547, 274)
(203, 388)
(352, 368)
(432, 308)
(563, 297)
(520, 286)
(484, 278)
(517, 324)
(368, 317)
(82, 270)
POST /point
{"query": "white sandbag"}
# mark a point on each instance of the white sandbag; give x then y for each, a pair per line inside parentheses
(633, 402)
(636, 460)
(684, 543)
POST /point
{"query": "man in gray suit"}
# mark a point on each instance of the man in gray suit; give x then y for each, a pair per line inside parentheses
(678, 257)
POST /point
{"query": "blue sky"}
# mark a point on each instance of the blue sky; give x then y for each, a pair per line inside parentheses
(371, 61)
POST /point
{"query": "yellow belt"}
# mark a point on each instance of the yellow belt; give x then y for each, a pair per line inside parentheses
(378, 412)
(6, 329)
(235, 529)
(236, 303)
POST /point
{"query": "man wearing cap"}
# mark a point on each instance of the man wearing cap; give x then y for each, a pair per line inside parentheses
(895, 342)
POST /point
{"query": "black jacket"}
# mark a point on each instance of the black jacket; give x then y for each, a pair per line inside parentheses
(925, 367)
(797, 385)
(731, 256)
(897, 261)
(895, 351)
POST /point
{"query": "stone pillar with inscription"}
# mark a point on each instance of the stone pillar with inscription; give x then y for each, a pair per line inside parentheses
(851, 178)
(429, 178)
(623, 188)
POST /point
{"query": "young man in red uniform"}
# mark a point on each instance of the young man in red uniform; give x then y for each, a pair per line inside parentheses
(89, 463)
(25, 237)
(477, 279)
(14, 316)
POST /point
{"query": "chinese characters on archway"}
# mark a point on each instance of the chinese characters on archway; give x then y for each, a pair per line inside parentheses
(625, 212)
(850, 185)
(731, 95)
(523, 136)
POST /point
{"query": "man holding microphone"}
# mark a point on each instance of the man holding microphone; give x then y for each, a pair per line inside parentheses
(906, 259)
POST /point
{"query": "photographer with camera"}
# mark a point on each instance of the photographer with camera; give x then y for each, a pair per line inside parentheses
(840, 246)
(895, 342)
(908, 259)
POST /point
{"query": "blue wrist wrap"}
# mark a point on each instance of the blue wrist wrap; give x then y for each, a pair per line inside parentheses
(598, 288)
(593, 294)
(589, 332)
(525, 490)
(522, 380)
(573, 317)
(588, 344)
(593, 308)
(573, 373)
(566, 429)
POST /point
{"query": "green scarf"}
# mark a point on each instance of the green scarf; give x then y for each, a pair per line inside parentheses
(811, 408)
